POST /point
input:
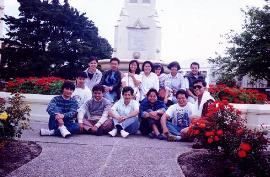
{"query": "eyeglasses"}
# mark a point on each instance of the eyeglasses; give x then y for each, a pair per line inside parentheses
(197, 87)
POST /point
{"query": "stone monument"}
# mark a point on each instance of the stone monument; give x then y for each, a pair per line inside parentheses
(138, 32)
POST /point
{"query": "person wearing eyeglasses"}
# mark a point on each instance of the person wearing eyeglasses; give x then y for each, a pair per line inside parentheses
(199, 87)
(190, 78)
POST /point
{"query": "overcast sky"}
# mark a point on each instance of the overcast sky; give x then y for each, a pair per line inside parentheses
(191, 29)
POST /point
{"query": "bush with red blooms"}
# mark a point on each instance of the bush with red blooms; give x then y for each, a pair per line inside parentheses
(44, 85)
(235, 95)
(224, 131)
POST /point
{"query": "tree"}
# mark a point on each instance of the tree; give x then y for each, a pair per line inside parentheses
(250, 50)
(49, 38)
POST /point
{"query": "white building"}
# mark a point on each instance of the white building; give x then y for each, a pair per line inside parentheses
(1, 22)
(138, 32)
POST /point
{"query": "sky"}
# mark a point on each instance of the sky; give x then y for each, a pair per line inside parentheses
(191, 29)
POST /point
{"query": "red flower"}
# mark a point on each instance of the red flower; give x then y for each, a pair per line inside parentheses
(202, 125)
(239, 131)
(220, 132)
(207, 134)
(245, 147)
(216, 138)
(210, 140)
(196, 132)
(242, 154)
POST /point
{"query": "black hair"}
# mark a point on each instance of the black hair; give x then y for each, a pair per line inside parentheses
(174, 64)
(195, 63)
(200, 80)
(98, 87)
(128, 89)
(150, 63)
(181, 91)
(152, 90)
(158, 65)
(81, 74)
(92, 58)
(138, 70)
(115, 59)
(68, 85)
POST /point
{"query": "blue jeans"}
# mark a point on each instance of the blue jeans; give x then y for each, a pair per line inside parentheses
(111, 96)
(174, 129)
(130, 125)
(72, 127)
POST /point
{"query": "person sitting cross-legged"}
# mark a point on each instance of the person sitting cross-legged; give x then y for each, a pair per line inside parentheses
(93, 115)
(125, 114)
(151, 110)
(62, 110)
(175, 121)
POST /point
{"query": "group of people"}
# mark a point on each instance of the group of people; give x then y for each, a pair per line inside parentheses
(159, 105)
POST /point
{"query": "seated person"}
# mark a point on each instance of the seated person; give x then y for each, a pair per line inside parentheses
(179, 114)
(62, 110)
(111, 81)
(199, 87)
(151, 109)
(190, 78)
(162, 97)
(81, 92)
(96, 109)
(125, 114)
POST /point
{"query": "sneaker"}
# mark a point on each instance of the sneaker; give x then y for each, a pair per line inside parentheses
(64, 132)
(123, 133)
(46, 132)
(161, 137)
(113, 132)
(173, 138)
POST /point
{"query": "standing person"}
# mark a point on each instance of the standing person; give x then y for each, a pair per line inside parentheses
(174, 81)
(190, 78)
(149, 79)
(125, 114)
(151, 109)
(62, 110)
(175, 121)
(159, 70)
(96, 110)
(81, 92)
(132, 78)
(111, 81)
(93, 74)
(199, 87)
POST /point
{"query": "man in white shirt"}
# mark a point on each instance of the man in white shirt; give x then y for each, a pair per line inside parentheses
(81, 92)
(175, 121)
(125, 114)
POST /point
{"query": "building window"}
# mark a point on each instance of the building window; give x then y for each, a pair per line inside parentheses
(146, 1)
(133, 1)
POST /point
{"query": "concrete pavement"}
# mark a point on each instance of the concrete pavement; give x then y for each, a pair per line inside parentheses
(88, 155)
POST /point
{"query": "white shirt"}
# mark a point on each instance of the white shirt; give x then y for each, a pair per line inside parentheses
(197, 109)
(129, 82)
(82, 95)
(180, 115)
(121, 109)
(148, 82)
(175, 82)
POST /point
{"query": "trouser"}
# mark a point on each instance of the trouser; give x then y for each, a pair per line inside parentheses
(71, 126)
(130, 125)
(146, 124)
(174, 129)
(103, 129)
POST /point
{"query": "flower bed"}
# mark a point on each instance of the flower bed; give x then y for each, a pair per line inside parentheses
(235, 95)
(33, 85)
(224, 131)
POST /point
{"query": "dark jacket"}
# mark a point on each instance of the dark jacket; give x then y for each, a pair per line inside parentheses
(116, 84)
(191, 78)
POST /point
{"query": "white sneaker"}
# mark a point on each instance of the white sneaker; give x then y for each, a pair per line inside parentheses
(46, 132)
(113, 132)
(124, 134)
(64, 132)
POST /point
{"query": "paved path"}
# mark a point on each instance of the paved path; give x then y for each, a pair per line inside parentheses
(87, 155)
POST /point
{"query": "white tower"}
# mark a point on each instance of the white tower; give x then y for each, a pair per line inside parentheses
(138, 32)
